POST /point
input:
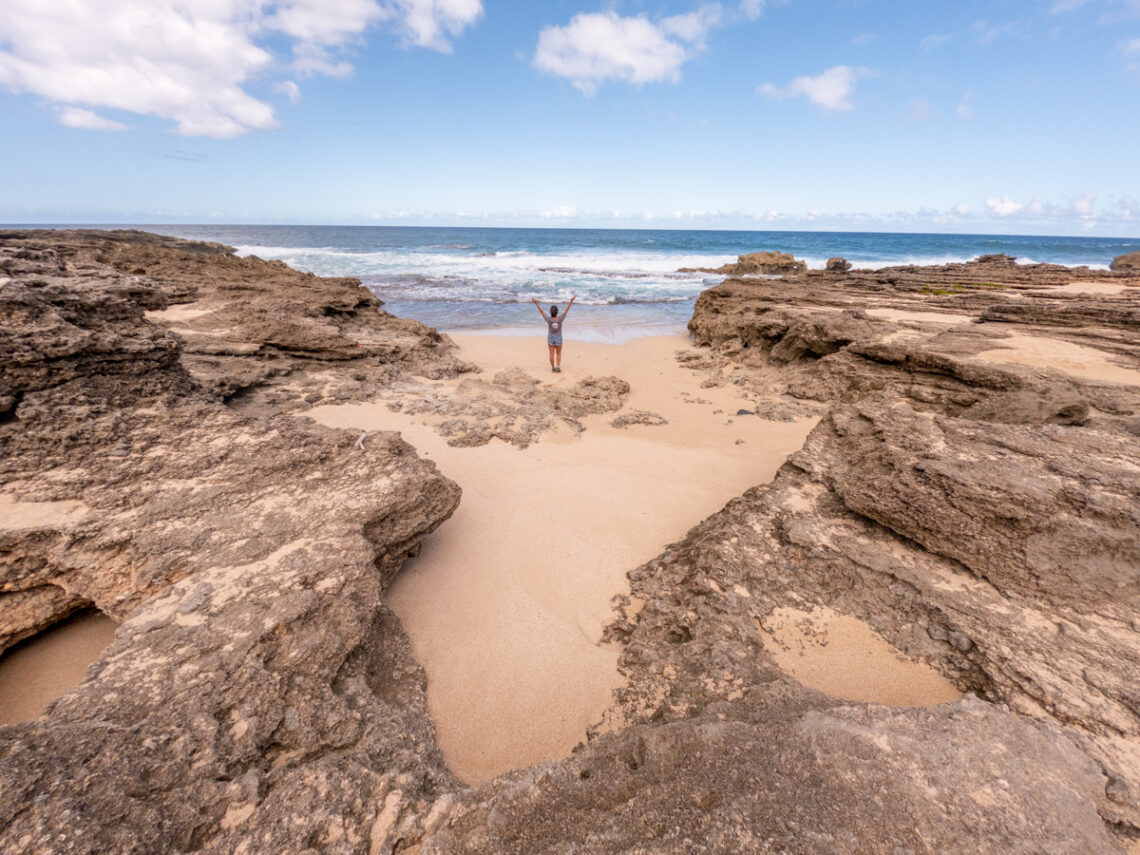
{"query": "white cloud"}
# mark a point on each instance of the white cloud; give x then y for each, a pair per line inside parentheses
(290, 90)
(863, 39)
(563, 212)
(430, 23)
(831, 90)
(692, 27)
(752, 9)
(1132, 47)
(1002, 206)
(182, 62)
(599, 46)
(190, 61)
(76, 117)
(325, 23)
(961, 209)
(1080, 209)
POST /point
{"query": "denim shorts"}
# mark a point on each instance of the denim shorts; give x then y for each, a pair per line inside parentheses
(554, 340)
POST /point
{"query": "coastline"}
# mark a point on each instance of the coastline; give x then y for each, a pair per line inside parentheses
(956, 518)
(507, 603)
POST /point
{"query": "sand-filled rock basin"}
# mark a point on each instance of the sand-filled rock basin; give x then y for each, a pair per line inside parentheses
(40, 669)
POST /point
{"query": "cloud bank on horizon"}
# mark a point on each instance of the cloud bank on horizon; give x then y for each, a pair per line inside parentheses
(852, 99)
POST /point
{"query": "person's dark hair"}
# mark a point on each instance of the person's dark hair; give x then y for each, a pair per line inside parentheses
(554, 311)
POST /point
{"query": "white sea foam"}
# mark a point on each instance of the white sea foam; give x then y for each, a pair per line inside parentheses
(630, 287)
(597, 277)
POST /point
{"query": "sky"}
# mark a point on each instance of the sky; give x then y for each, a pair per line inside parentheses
(1010, 116)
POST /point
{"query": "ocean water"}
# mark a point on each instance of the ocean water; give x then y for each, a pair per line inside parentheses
(626, 281)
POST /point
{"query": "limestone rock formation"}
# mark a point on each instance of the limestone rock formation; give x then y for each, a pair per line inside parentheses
(801, 780)
(257, 693)
(838, 265)
(638, 417)
(973, 502)
(756, 263)
(981, 511)
(512, 406)
(1129, 263)
(251, 328)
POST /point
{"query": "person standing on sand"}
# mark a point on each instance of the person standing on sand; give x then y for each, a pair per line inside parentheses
(554, 331)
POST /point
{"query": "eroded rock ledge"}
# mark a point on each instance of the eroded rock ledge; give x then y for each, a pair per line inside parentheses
(258, 696)
(980, 512)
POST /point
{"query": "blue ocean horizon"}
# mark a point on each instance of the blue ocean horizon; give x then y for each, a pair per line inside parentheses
(626, 280)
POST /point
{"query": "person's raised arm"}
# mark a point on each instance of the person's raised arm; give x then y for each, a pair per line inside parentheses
(568, 305)
(540, 310)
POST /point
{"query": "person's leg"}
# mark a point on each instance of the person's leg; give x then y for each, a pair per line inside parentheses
(558, 353)
(550, 347)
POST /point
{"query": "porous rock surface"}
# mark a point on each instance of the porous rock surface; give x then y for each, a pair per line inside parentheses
(1129, 263)
(765, 263)
(512, 406)
(258, 696)
(981, 515)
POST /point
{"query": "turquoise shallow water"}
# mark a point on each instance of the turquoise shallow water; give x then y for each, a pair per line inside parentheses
(626, 280)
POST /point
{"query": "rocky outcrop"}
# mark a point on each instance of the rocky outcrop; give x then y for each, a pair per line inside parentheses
(838, 265)
(277, 337)
(638, 417)
(756, 264)
(257, 694)
(1129, 263)
(512, 406)
(798, 780)
(980, 514)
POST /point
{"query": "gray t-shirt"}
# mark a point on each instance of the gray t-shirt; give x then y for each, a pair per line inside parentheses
(554, 325)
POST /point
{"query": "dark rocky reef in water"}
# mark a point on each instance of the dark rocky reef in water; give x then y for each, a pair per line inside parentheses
(982, 515)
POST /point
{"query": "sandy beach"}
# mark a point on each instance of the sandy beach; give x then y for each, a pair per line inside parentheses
(506, 604)
(507, 601)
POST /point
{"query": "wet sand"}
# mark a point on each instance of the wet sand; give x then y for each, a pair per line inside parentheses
(37, 671)
(506, 603)
(843, 657)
